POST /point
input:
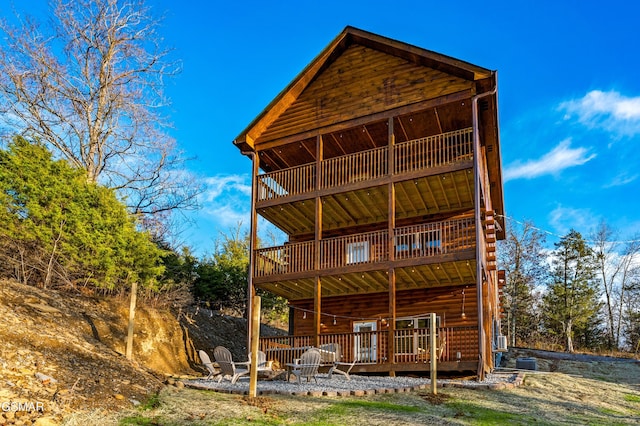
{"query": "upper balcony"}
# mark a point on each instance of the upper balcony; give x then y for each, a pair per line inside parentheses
(411, 159)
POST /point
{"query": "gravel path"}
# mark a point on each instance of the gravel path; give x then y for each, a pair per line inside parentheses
(358, 385)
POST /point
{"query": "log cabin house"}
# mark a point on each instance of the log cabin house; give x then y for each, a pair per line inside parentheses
(381, 163)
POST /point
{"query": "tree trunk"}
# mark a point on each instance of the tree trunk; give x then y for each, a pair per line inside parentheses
(569, 337)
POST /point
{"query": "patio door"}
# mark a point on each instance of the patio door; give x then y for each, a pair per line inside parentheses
(365, 342)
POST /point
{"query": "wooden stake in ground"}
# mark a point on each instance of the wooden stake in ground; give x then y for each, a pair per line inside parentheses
(432, 346)
(255, 340)
(132, 315)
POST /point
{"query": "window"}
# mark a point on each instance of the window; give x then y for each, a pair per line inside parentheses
(412, 334)
(358, 252)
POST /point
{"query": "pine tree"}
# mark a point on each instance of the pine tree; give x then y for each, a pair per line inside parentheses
(571, 299)
(60, 229)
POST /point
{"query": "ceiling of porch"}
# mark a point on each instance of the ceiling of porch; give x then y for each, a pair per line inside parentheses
(423, 196)
(439, 274)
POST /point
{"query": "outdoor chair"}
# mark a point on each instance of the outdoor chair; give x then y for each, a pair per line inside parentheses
(263, 364)
(307, 366)
(331, 355)
(227, 366)
(206, 361)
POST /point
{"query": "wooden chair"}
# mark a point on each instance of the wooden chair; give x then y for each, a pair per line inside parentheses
(307, 365)
(263, 364)
(227, 366)
(331, 355)
(206, 361)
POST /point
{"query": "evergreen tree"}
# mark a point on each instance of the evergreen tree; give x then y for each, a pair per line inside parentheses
(571, 300)
(58, 228)
(222, 279)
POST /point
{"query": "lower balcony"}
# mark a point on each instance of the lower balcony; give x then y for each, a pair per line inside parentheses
(410, 246)
(368, 350)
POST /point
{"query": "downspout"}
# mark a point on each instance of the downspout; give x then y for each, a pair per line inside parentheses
(252, 242)
(478, 220)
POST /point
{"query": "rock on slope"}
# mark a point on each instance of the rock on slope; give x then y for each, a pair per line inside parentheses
(66, 353)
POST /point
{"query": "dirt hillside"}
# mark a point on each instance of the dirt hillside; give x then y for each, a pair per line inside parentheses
(66, 351)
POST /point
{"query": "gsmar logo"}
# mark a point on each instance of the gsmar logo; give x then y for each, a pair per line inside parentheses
(22, 406)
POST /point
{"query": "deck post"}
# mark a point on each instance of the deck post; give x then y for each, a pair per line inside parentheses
(255, 346)
(391, 349)
(317, 294)
(253, 238)
(480, 259)
(433, 348)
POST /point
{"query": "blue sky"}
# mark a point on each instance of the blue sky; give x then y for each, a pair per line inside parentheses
(569, 93)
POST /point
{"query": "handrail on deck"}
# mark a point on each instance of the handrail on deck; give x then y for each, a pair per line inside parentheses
(428, 239)
(371, 347)
(410, 156)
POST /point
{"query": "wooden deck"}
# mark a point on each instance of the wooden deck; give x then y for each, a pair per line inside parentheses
(409, 158)
(370, 350)
(410, 242)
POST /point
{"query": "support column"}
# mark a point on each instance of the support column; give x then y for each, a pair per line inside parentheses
(317, 292)
(391, 222)
(480, 260)
(253, 240)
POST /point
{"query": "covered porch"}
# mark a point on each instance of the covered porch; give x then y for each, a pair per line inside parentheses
(369, 348)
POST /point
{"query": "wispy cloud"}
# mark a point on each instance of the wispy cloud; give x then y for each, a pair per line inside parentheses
(563, 219)
(226, 199)
(622, 179)
(217, 186)
(559, 158)
(610, 111)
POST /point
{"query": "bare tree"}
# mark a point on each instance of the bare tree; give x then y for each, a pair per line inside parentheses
(91, 87)
(615, 262)
(523, 259)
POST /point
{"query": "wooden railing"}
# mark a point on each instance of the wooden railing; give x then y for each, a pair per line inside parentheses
(364, 165)
(371, 347)
(454, 344)
(429, 239)
(410, 156)
(433, 151)
(285, 259)
(287, 182)
(370, 247)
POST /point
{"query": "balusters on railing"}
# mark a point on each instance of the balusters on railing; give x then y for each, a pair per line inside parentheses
(360, 166)
(413, 155)
(369, 247)
(433, 151)
(287, 182)
(428, 239)
(368, 347)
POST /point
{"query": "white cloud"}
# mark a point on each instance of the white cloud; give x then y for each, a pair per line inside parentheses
(553, 162)
(563, 219)
(621, 180)
(226, 199)
(610, 111)
(217, 186)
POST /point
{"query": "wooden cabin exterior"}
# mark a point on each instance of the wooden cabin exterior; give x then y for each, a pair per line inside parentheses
(381, 163)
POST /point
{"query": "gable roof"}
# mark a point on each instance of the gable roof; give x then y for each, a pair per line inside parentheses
(348, 37)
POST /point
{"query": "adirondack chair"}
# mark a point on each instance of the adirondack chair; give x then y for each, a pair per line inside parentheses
(263, 364)
(206, 361)
(307, 365)
(227, 366)
(331, 355)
